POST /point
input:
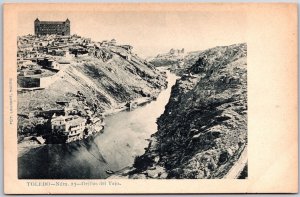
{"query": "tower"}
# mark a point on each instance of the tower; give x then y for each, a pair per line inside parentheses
(36, 26)
(67, 27)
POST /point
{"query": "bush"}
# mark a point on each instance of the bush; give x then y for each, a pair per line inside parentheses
(142, 162)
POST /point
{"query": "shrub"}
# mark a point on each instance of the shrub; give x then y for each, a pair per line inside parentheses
(142, 162)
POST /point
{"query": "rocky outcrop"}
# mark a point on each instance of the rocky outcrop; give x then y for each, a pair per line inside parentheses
(203, 131)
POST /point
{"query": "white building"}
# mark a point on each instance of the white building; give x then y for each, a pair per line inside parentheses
(71, 127)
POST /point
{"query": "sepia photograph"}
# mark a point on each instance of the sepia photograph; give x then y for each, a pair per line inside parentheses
(105, 97)
(100, 95)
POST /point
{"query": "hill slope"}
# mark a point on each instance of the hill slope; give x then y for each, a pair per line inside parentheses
(105, 84)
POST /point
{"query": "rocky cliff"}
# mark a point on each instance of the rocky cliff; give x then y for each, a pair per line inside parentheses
(203, 130)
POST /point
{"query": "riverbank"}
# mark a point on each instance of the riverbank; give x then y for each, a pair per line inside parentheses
(27, 145)
(30, 142)
(125, 136)
(132, 130)
(122, 107)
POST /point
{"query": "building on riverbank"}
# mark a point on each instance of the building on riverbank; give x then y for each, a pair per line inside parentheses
(69, 127)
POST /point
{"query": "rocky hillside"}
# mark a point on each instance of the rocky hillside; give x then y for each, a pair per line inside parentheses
(104, 83)
(172, 58)
(177, 62)
(203, 131)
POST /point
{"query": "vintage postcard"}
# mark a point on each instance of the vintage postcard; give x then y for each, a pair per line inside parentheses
(150, 98)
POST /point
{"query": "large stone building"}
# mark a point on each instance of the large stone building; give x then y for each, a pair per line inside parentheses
(69, 127)
(52, 27)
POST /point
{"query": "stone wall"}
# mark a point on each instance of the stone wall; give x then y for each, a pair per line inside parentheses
(47, 81)
(43, 82)
(28, 82)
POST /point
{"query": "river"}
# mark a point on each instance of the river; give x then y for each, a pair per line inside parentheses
(125, 136)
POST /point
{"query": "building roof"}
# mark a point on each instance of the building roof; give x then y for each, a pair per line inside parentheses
(63, 62)
(76, 121)
(71, 120)
(62, 102)
(52, 22)
(60, 118)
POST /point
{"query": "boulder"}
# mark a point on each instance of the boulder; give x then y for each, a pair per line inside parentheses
(163, 175)
(152, 173)
(156, 159)
(155, 173)
(138, 176)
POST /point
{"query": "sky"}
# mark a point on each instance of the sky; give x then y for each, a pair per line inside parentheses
(150, 33)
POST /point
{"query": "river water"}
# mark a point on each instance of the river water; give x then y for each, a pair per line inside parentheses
(125, 136)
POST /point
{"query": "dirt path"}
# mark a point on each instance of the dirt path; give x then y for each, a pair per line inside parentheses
(238, 167)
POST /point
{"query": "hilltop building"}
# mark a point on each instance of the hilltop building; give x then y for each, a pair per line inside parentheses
(52, 27)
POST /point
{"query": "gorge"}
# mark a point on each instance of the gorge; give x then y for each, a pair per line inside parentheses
(195, 126)
(203, 130)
